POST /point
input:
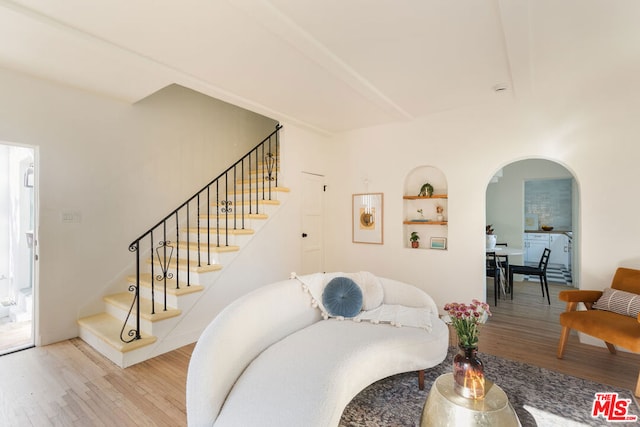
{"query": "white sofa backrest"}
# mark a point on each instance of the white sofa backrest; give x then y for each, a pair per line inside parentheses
(238, 335)
(408, 295)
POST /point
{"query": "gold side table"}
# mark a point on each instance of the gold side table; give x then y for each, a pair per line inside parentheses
(444, 407)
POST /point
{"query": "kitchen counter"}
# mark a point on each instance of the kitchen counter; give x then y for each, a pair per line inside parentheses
(554, 231)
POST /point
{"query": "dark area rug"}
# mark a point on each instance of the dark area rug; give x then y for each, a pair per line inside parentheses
(539, 396)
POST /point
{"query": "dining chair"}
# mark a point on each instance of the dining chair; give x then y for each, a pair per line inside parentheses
(503, 262)
(540, 271)
(493, 270)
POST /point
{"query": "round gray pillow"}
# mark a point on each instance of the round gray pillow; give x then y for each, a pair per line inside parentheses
(342, 297)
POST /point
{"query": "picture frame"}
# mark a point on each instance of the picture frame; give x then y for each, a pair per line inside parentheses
(438, 243)
(367, 211)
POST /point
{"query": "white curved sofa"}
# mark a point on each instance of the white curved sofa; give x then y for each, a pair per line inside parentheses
(271, 359)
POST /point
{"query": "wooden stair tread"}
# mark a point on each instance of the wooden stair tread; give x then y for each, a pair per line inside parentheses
(253, 189)
(247, 201)
(145, 281)
(214, 230)
(203, 246)
(232, 215)
(193, 265)
(107, 328)
(123, 301)
(253, 179)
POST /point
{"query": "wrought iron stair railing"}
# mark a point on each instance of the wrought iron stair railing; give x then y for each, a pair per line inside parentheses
(225, 202)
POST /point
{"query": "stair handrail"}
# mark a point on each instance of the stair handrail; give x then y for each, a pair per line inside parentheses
(165, 248)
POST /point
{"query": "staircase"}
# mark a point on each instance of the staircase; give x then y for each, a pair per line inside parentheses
(180, 259)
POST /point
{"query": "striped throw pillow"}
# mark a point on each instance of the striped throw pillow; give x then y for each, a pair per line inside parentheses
(620, 302)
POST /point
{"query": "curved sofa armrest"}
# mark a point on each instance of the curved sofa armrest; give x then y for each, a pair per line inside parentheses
(238, 335)
(579, 296)
(401, 293)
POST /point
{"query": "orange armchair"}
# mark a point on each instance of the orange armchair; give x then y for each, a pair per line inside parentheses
(613, 328)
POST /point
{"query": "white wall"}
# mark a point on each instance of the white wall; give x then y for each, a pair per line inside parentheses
(595, 138)
(122, 168)
(102, 158)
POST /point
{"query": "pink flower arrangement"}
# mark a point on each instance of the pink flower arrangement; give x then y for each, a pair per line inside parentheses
(465, 318)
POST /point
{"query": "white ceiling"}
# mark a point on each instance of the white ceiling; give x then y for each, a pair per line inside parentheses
(333, 65)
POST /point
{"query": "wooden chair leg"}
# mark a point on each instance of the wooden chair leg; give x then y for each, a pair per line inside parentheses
(421, 379)
(611, 347)
(564, 336)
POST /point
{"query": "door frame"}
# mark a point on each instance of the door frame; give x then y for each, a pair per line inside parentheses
(31, 180)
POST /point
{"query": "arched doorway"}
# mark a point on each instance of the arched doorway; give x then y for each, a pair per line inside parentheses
(527, 194)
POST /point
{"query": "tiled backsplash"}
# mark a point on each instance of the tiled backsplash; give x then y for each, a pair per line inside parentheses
(550, 200)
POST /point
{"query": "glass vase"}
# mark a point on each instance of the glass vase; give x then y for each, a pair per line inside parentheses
(468, 373)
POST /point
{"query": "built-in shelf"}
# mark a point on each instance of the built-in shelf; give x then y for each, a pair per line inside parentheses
(435, 196)
(425, 222)
(422, 213)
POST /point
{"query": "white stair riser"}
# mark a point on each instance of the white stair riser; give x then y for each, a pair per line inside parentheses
(194, 277)
(172, 300)
(211, 258)
(183, 302)
(251, 223)
(240, 206)
(157, 329)
(274, 195)
(105, 349)
(234, 239)
(193, 260)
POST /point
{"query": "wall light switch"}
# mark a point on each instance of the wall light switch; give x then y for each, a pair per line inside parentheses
(70, 217)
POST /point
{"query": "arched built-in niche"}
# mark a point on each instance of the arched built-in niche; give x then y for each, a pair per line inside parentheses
(426, 213)
(517, 218)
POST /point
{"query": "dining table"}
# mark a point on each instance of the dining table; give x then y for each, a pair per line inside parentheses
(505, 250)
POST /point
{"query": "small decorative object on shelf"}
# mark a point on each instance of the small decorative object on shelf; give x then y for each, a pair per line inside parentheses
(414, 239)
(439, 211)
(491, 238)
(439, 243)
(426, 190)
(468, 370)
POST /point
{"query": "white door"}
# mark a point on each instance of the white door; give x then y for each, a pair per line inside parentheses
(312, 230)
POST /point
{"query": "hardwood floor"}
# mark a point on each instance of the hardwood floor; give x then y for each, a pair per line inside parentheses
(527, 329)
(14, 335)
(69, 384)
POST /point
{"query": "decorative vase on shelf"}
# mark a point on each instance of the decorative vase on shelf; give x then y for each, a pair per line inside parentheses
(491, 241)
(468, 373)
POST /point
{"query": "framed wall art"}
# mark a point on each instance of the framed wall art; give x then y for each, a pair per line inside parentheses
(438, 243)
(367, 212)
